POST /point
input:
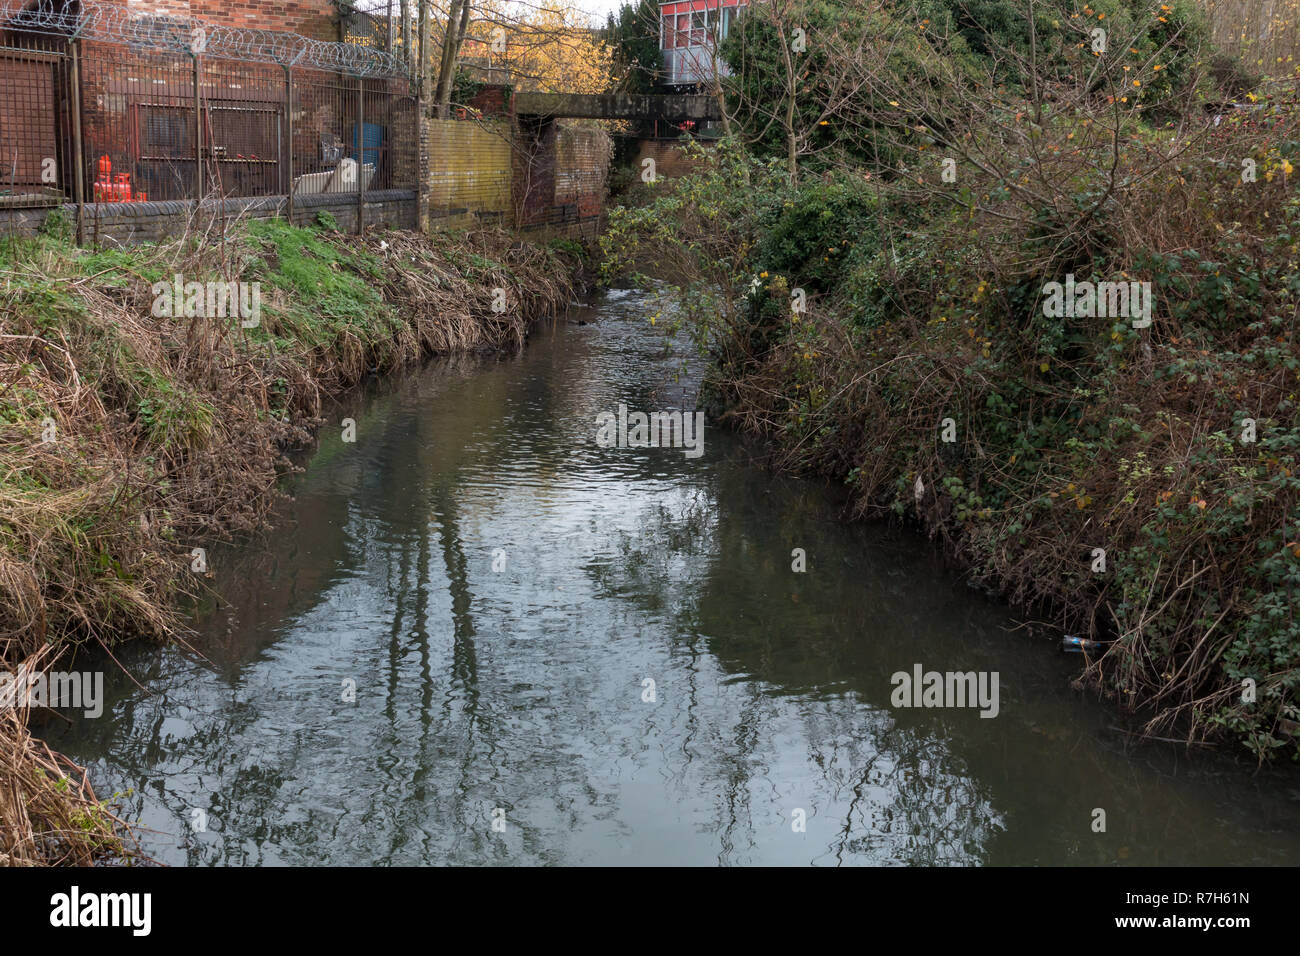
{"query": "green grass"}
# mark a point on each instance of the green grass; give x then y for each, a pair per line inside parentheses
(329, 292)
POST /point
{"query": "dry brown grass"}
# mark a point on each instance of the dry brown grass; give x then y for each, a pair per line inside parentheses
(49, 812)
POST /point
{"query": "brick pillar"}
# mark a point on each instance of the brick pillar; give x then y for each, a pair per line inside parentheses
(534, 170)
(424, 166)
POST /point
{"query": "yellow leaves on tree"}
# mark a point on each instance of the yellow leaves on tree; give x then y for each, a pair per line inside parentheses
(548, 47)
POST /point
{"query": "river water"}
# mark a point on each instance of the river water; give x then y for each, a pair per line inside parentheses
(499, 589)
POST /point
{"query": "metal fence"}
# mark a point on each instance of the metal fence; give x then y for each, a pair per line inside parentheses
(89, 120)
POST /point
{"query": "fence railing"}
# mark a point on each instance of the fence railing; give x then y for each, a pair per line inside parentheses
(101, 121)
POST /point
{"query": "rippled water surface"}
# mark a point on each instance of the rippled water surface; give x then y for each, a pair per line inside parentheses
(523, 688)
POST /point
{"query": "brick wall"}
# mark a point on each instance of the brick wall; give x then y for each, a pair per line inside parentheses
(468, 173)
(581, 168)
(669, 159)
(490, 101)
(533, 170)
(536, 175)
(313, 18)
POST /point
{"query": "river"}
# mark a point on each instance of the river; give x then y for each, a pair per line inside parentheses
(500, 590)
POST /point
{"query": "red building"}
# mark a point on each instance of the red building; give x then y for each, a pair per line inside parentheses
(690, 31)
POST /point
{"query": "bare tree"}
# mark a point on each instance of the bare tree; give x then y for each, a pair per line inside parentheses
(458, 15)
(425, 53)
(408, 49)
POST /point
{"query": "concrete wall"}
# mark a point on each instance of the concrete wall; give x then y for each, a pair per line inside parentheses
(126, 223)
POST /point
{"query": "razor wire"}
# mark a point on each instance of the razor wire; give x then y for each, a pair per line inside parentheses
(194, 37)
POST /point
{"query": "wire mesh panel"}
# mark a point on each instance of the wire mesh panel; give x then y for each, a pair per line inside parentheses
(138, 125)
(244, 132)
(338, 139)
(34, 127)
(158, 120)
(404, 124)
(325, 109)
(160, 31)
(147, 127)
(391, 132)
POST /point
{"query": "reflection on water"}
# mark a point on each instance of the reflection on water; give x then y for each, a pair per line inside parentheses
(524, 688)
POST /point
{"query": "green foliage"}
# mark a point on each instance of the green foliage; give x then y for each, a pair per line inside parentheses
(998, 33)
(633, 35)
(329, 292)
(465, 87)
(170, 416)
(952, 51)
(828, 112)
(57, 225)
(123, 266)
(1231, 77)
(699, 231)
(811, 233)
(1072, 430)
(566, 247)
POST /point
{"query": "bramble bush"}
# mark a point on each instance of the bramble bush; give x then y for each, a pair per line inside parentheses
(1174, 448)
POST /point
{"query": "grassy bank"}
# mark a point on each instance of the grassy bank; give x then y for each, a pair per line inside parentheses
(128, 438)
(1130, 483)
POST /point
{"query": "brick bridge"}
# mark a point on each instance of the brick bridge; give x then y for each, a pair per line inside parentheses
(535, 169)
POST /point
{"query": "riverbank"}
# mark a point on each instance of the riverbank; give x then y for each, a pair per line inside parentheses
(1130, 477)
(138, 423)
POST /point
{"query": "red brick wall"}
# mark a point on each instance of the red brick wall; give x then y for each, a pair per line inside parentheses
(560, 172)
(670, 160)
(582, 167)
(534, 171)
(313, 18)
(490, 101)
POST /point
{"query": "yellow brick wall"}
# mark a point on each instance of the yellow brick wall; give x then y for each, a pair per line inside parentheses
(469, 173)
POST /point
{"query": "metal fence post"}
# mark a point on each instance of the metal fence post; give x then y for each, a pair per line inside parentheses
(421, 161)
(78, 152)
(360, 136)
(198, 136)
(288, 114)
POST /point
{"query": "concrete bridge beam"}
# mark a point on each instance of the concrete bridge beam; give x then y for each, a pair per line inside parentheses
(665, 107)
